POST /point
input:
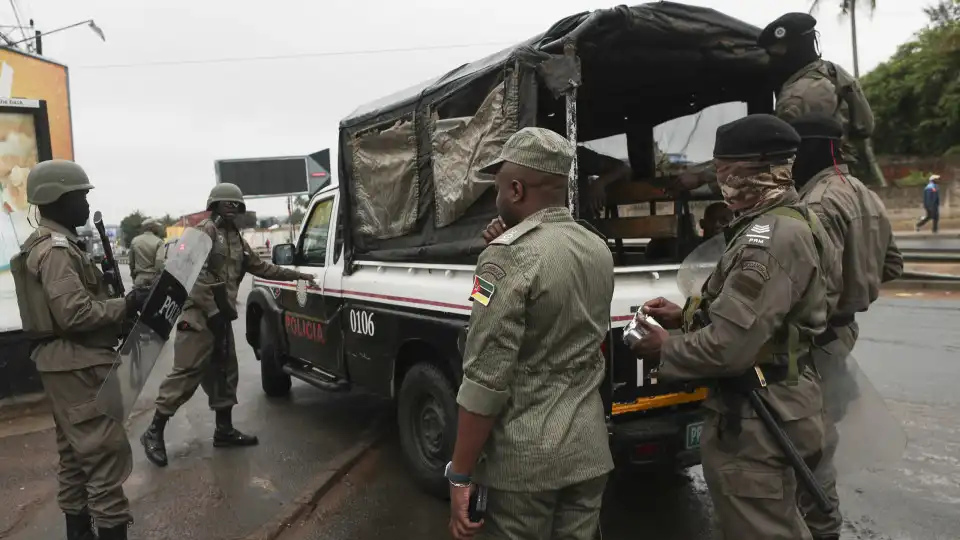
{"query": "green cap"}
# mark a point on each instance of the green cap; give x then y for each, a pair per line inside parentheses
(226, 192)
(50, 180)
(538, 149)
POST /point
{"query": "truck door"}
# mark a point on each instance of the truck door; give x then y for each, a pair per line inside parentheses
(311, 323)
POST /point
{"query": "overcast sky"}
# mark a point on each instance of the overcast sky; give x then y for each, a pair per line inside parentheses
(148, 134)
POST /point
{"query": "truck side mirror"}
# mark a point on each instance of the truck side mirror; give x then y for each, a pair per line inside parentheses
(284, 254)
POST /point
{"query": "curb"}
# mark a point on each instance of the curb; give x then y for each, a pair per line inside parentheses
(15, 407)
(304, 503)
(921, 285)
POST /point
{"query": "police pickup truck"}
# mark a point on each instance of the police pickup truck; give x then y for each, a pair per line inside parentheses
(394, 243)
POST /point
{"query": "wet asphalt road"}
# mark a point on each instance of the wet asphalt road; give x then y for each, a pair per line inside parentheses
(908, 347)
(204, 494)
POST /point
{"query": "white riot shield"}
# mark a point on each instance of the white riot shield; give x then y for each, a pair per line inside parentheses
(699, 264)
(867, 435)
(142, 347)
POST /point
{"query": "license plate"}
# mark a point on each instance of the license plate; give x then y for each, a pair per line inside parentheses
(693, 435)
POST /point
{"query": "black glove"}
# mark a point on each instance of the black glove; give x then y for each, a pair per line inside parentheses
(135, 300)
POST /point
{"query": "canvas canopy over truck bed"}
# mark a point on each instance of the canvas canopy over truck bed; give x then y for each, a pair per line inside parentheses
(409, 162)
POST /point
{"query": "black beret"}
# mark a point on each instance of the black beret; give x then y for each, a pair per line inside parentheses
(787, 27)
(756, 136)
(818, 126)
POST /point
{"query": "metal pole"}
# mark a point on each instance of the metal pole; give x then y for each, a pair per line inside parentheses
(573, 194)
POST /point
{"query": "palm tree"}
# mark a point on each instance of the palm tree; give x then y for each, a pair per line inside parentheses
(849, 8)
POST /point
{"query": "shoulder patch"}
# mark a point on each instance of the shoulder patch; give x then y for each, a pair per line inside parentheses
(759, 232)
(59, 240)
(482, 290)
(747, 285)
(756, 267)
(491, 271)
(514, 233)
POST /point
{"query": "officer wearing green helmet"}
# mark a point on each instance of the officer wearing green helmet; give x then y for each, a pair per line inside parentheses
(147, 253)
(204, 329)
(75, 326)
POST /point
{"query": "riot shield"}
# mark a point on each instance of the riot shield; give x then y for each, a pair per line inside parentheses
(699, 264)
(142, 347)
(867, 435)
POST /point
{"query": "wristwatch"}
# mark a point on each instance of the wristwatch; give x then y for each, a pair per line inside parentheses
(457, 480)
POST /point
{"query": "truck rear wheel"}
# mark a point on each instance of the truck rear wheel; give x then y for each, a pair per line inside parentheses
(274, 381)
(427, 416)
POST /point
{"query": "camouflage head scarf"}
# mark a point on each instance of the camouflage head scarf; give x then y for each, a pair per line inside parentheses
(746, 184)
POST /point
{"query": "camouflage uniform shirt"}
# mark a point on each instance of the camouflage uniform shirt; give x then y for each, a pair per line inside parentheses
(811, 90)
(541, 308)
(857, 224)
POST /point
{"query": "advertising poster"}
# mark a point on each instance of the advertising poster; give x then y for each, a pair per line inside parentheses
(25, 78)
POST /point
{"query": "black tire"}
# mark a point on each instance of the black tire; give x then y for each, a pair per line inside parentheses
(427, 417)
(274, 381)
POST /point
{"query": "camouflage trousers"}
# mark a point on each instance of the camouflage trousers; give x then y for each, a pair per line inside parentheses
(754, 490)
(194, 366)
(95, 456)
(571, 513)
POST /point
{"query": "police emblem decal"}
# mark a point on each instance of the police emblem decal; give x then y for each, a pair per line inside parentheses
(302, 293)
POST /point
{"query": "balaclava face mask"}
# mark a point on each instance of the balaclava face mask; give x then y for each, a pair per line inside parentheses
(801, 51)
(748, 184)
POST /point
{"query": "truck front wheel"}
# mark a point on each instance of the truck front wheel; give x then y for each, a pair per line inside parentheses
(274, 381)
(427, 417)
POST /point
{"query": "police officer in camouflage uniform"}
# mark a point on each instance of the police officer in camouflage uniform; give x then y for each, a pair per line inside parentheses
(761, 308)
(809, 84)
(531, 423)
(857, 224)
(147, 254)
(75, 326)
(205, 326)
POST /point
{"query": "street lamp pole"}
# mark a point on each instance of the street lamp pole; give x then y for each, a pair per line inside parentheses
(38, 35)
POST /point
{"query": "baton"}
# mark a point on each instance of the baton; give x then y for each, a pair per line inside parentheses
(793, 455)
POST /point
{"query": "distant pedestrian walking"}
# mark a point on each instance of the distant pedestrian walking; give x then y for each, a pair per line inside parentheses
(931, 203)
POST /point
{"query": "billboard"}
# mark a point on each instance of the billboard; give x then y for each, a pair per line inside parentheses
(26, 76)
(35, 125)
(278, 176)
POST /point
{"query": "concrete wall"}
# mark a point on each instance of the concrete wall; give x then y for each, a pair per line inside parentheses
(907, 202)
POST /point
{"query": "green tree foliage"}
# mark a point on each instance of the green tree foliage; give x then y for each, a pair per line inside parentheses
(915, 96)
(130, 227)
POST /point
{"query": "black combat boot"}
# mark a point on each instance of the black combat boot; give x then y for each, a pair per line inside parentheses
(226, 435)
(79, 526)
(113, 533)
(152, 441)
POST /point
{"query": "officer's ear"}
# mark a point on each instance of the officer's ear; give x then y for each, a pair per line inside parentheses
(518, 191)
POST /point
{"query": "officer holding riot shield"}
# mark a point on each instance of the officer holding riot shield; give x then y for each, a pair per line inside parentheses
(75, 326)
(204, 350)
(749, 333)
(857, 224)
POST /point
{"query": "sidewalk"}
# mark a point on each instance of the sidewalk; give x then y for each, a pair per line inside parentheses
(205, 493)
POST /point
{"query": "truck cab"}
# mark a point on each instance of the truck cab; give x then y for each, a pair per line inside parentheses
(394, 243)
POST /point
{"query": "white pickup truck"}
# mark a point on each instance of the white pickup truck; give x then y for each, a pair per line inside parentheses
(394, 243)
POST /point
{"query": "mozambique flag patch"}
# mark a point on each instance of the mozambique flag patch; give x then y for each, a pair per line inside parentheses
(482, 290)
